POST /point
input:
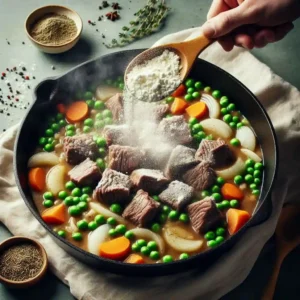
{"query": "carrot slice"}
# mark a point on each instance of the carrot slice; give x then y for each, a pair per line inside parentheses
(61, 108)
(55, 214)
(134, 259)
(180, 91)
(236, 219)
(231, 191)
(115, 249)
(37, 179)
(178, 106)
(77, 111)
(197, 110)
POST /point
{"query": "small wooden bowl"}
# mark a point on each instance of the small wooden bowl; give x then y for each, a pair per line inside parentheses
(60, 10)
(29, 282)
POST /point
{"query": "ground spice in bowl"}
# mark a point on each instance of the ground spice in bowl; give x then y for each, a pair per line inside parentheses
(53, 30)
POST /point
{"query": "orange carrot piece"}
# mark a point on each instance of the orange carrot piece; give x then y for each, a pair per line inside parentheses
(197, 110)
(77, 111)
(178, 106)
(115, 249)
(180, 91)
(37, 179)
(231, 191)
(134, 259)
(55, 214)
(61, 108)
(236, 219)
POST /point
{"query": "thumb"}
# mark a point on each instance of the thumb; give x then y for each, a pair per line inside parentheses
(227, 21)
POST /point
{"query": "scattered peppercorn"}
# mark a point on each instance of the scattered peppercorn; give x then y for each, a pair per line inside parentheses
(113, 15)
(115, 5)
(103, 36)
(27, 77)
(23, 68)
(105, 4)
(23, 43)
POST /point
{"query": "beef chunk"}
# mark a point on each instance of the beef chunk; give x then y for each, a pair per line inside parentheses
(142, 209)
(114, 187)
(152, 181)
(86, 173)
(175, 129)
(117, 134)
(78, 148)
(125, 159)
(159, 111)
(177, 195)
(182, 158)
(200, 177)
(204, 215)
(115, 104)
(216, 152)
(150, 111)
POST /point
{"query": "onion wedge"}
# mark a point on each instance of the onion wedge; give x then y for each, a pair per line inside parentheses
(246, 137)
(212, 105)
(149, 235)
(55, 179)
(106, 212)
(97, 237)
(217, 127)
(43, 159)
(71, 227)
(236, 169)
(251, 154)
(105, 92)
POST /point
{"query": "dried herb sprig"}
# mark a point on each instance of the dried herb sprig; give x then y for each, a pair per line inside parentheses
(148, 20)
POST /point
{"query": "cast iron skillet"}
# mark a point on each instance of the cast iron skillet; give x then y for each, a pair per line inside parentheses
(54, 90)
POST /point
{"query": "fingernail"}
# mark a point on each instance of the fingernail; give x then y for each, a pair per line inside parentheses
(208, 30)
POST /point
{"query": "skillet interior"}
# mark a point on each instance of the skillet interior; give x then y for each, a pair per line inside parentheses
(53, 90)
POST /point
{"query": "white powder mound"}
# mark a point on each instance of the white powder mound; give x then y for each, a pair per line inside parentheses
(156, 78)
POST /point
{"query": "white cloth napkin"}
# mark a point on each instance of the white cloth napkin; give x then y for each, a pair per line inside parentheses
(282, 102)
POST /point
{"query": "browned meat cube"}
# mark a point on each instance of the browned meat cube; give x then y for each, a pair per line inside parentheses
(200, 177)
(117, 134)
(217, 153)
(125, 159)
(204, 215)
(150, 111)
(159, 111)
(152, 181)
(114, 187)
(78, 148)
(115, 104)
(176, 130)
(142, 209)
(86, 173)
(182, 158)
(177, 195)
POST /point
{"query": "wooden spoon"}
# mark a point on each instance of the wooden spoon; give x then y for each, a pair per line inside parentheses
(188, 51)
(287, 236)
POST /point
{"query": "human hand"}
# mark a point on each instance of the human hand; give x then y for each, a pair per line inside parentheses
(250, 23)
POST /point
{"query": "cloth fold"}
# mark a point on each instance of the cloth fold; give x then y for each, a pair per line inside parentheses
(282, 103)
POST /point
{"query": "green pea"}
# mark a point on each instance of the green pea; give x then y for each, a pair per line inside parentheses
(234, 203)
(70, 133)
(219, 240)
(217, 197)
(42, 141)
(88, 95)
(48, 196)
(82, 206)
(70, 185)
(108, 121)
(101, 142)
(249, 178)
(235, 119)
(205, 194)
(135, 247)
(193, 121)
(220, 231)
(257, 181)
(224, 101)
(87, 129)
(76, 200)
(190, 90)
(216, 94)
(215, 189)
(84, 197)
(106, 113)
(232, 125)
(219, 206)
(111, 221)
(189, 82)
(99, 105)
(184, 218)
(74, 210)
(231, 107)
(183, 256)
(258, 166)
(62, 195)
(99, 116)
(76, 192)
(88, 122)
(121, 86)
(257, 174)
(120, 229)
(207, 89)
(49, 133)
(256, 192)
(155, 227)
(154, 255)
(77, 236)
(167, 259)
(196, 95)
(169, 116)
(59, 116)
(82, 225)
(227, 118)
(250, 170)
(100, 163)
(173, 215)
(48, 203)
(163, 218)
(212, 243)
(69, 201)
(198, 85)
(152, 245)
(235, 142)
(70, 127)
(51, 140)
(249, 163)
(92, 225)
(99, 219)
(238, 179)
(49, 147)
(220, 180)
(166, 209)
(170, 100)
(155, 198)
(188, 97)
(102, 152)
(201, 135)
(55, 127)
(61, 233)
(141, 243)
(116, 208)
(225, 204)
(239, 125)
(253, 186)
(196, 128)
(210, 235)
(224, 111)
(145, 250)
(129, 235)
(62, 123)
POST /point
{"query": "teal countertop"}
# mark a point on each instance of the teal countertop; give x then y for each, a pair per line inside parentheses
(282, 57)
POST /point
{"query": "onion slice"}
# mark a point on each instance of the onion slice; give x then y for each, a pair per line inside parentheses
(236, 169)
(43, 159)
(97, 237)
(246, 137)
(212, 105)
(149, 235)
(217, 127)
(251, 154)
(55, 179)
(71, 227)
(106, 212)
(105, 92)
